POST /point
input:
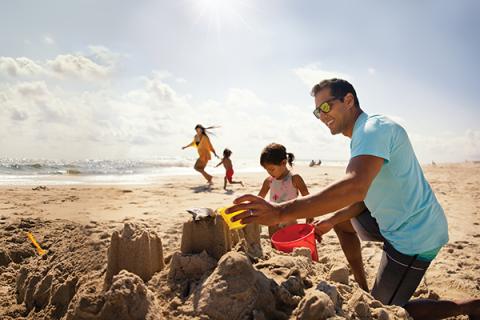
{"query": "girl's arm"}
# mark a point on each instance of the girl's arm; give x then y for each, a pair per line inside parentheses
(302, 187)
(265, 187)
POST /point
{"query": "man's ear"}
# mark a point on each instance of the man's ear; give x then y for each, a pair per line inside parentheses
(349, 100)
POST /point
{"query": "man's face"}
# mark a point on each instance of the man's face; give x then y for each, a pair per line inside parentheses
(335, 119)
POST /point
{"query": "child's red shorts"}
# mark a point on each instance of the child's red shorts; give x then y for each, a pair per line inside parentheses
(229, 175)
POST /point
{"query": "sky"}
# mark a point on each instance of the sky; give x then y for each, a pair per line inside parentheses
(117, 79)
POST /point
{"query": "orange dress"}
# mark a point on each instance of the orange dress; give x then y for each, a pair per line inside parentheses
(203, 148)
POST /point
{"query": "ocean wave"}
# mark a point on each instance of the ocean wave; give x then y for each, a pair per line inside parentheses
(88, 167)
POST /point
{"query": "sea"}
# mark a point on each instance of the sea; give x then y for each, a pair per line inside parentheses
(115, 172)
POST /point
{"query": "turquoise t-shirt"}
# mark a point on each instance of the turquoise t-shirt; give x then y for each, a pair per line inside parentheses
(399, 198)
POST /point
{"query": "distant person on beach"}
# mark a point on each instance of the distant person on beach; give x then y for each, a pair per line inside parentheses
(319, 162)
(282, 184)
(383, 196)
(227, 164)
(204, 147)
(312, 163)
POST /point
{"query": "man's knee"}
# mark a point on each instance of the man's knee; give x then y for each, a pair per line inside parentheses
(344, 228)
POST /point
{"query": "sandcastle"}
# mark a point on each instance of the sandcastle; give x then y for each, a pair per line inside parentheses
(211, 234)
(136, 250)
(77, 282)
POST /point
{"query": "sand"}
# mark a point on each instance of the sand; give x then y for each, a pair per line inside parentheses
(167, 277)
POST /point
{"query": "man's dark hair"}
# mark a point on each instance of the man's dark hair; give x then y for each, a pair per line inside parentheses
(338, 88)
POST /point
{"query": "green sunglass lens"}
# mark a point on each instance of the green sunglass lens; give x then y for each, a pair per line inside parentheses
(325, 107)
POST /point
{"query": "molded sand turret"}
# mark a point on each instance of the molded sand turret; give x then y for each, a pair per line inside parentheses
(211, 234)
(251, 235)
(136, 250)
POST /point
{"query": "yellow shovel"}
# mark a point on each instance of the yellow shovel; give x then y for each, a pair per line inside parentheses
(35, 243)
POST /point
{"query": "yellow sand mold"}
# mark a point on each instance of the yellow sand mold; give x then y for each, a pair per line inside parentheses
(226, 217)
(35, 243)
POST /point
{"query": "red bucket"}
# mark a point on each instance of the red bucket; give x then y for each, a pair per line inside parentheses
(296, 236)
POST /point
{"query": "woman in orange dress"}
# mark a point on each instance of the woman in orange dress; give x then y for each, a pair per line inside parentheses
(204, 147)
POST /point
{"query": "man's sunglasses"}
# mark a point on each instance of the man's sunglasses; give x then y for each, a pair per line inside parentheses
(325, 107)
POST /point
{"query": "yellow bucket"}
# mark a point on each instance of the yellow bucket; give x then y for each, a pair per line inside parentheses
(226, 217)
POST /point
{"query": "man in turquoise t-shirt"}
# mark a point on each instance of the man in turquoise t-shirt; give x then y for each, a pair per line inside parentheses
(384, 196)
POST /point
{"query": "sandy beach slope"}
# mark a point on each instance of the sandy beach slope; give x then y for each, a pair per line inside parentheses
(56, 211)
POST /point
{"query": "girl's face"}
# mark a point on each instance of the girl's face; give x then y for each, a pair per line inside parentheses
(276, 170)
(199, 131)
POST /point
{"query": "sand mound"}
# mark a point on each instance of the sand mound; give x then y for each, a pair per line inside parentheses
(4, 258)
(315, 305)
(234, 290)
(339, 273)
(46, 284)
(190, 266)
(126, 299)
(37, 290)
(280, 266)
(69, 282)
(134, 249)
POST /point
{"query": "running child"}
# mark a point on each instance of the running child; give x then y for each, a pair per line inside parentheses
(227, 163)
(282, 184)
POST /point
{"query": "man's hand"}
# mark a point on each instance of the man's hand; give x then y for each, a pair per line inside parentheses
(322, 227)
(257, 210)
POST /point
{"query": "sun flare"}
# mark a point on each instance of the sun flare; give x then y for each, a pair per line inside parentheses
(218, 13)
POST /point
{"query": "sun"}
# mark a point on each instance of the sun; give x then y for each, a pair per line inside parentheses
(220, 13)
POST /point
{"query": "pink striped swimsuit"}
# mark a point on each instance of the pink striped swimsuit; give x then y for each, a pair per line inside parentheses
(282, 190)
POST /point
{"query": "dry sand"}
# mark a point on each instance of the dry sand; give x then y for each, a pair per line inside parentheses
(76, 223)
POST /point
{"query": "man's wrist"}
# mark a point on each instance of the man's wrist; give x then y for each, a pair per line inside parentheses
(282, 215)
(336, 218)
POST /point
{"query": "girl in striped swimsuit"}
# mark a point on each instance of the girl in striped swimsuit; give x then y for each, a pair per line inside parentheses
(282, 184)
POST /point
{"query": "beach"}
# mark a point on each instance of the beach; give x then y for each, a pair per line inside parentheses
(162, 207)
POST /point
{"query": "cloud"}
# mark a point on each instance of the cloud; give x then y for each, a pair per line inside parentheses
(33, 90)
(447, 147)
(48, 40)
(21, 66)
(48, 120)
(75, 65)
(243, 99)
(105, 55)
(312, 74)
(98, 64)
(18, 115)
